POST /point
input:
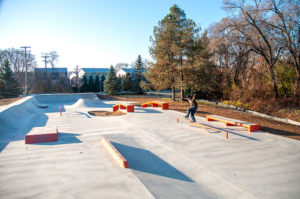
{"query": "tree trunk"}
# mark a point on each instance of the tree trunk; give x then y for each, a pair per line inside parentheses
(181, 87)
(193, 81)
(181, 76)
(283, 88)
(173, 93)
(297, 89)
(274, 82)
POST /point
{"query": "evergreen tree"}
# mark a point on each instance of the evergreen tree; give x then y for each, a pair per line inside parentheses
(1, 86)
(97, 83)
(119, 81)
(91, 84)
(138, 75)
(110, 84)
(102, 79)
(126, 83)
(84, 86)
(172, 36)
(9, 86)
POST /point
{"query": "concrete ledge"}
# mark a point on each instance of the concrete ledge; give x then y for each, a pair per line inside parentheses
(115, 153)
(42, 134)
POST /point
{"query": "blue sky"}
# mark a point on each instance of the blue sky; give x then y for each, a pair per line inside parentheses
(93, 33)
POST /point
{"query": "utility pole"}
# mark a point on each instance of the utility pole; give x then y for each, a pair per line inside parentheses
(26, 83)
(45, 60)
(45, 56)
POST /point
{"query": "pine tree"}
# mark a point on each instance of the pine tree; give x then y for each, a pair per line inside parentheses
(91, 84)
(126, 83)
(110, 84)
(138, 75)
(169, 46)
(97, 83)
(1, 87)
(119, 82)
(84, 86)
(8, 84)
(102, 79)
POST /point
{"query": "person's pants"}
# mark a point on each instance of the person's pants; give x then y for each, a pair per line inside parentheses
(191, 111)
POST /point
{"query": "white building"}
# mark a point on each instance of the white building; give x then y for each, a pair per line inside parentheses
(122, 72)
(87, 71)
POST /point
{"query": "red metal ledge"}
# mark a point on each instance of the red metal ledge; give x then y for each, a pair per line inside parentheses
(41, 134)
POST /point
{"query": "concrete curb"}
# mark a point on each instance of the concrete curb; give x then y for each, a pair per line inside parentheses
(288, 121)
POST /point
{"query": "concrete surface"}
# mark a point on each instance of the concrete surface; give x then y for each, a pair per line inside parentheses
(167, 159)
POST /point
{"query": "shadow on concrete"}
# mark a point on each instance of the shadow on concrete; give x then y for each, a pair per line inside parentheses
(63, 138)
(229, 132)
(281, 132)
(244, 136)
(145, 161)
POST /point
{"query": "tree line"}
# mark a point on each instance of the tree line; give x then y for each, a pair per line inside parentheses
(253, 53)
(111, 84)
(15, 58)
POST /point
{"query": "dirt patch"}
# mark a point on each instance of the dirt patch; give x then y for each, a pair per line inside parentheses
(106, 97)
(7, 101)
(106, 113)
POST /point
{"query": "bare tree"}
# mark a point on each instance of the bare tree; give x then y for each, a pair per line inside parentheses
(285, 20)
(16, 58)
(120, 66)
(53, 58)
(249, 21)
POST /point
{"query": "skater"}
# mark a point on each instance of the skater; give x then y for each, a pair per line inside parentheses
(193, 107)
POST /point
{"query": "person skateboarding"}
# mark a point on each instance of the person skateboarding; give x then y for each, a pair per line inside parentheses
(193, 107)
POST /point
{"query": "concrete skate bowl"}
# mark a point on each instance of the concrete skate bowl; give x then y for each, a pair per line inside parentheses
(106, 113)
(18, 118)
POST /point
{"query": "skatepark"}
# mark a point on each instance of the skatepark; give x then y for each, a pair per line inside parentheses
(167, 159)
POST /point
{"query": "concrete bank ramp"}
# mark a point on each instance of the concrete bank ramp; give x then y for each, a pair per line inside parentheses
(16, 114)
(18, 118)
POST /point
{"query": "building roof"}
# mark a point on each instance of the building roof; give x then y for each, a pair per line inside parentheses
(131, 70)
(52, 70)
(95, 70)
(128, 70)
